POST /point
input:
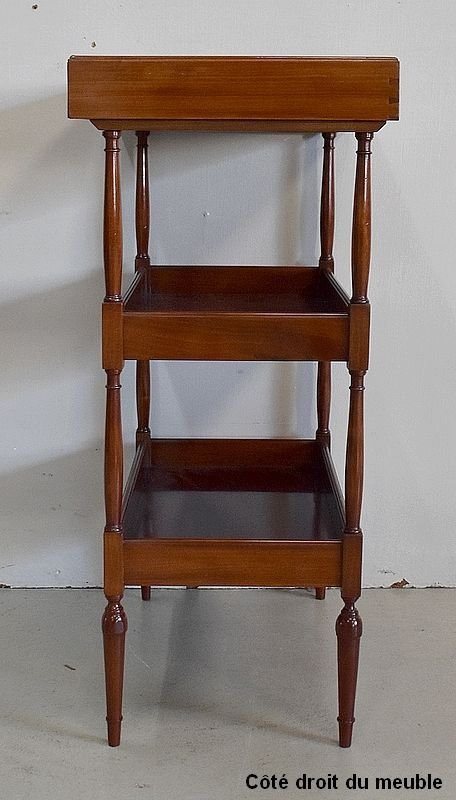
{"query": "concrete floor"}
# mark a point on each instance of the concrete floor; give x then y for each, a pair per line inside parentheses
(221, 684)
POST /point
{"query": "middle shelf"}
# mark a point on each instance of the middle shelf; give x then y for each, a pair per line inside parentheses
(236, 313)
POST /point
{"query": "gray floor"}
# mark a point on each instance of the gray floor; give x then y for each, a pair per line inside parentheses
(221, 684)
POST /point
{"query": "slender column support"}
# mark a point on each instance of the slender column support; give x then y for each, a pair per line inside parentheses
(354, 461)
(114, 623)
(326, 263)
(112, 228)
(349, 625)
(327, 205)
(113, 453)
(142, 214)
(142, 401)
(361, 230)
(323, 433)
(142, 261)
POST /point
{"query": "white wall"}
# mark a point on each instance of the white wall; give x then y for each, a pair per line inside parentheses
(52, 396)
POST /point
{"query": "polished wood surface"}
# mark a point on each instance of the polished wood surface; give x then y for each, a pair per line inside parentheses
(208, 489)
(234, 337)
(232, 88)
(273, 290)
(234, 512)
(206, 562)
(235, 313)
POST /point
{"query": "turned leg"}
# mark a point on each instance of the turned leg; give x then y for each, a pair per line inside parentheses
(114, 626)
(114, 623)
(348, 629)
(349, 625)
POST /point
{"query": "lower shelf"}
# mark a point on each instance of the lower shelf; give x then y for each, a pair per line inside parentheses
(233, 512)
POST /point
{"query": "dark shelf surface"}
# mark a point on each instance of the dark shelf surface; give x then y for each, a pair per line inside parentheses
(236, 290)
(272, 490)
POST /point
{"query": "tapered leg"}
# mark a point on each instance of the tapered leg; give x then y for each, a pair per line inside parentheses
(114, 627)
(348, 629)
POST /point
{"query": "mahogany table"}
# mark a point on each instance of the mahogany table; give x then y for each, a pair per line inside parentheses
(254, 512)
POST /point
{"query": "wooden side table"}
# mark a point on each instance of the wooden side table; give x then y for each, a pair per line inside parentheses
(293, 526)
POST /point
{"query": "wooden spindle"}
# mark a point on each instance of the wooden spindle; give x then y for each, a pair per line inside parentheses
(114, 622)
(113, 453)
(326, 263)
(327, 212)
(323, 433)
(142, 402)
(142, 214)
(142, 260)
(349, 624)
(142, 217)
(361, 231)
(112, 232)
(354, 462)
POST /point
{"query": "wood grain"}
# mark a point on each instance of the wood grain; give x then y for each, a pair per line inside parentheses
(235, 337)
(212, 563)
(232, 88)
